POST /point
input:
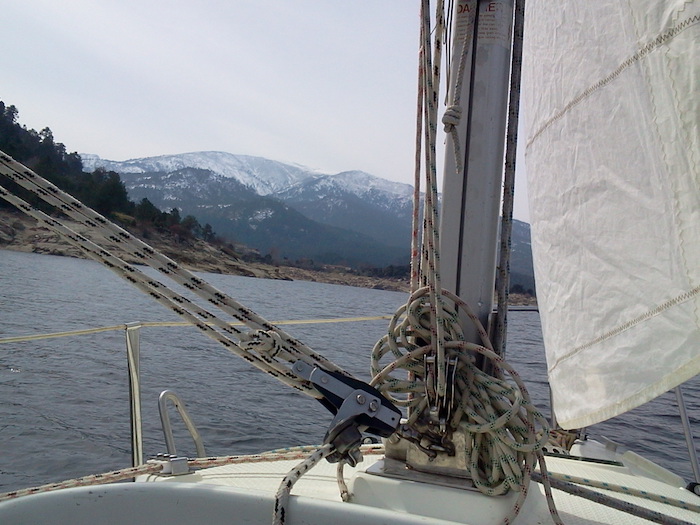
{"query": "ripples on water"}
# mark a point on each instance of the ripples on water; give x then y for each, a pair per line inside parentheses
(64, 406)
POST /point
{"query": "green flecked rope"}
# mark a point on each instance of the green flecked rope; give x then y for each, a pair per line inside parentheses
(627, 490)
(611, 502)
(499, 415)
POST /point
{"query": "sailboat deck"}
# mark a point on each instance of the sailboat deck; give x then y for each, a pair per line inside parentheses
(453, 504)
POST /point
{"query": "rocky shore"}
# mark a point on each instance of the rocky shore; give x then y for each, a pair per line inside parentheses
(21, 233)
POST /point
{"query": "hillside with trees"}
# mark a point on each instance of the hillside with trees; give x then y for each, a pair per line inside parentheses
(181, 238)
(101, 190)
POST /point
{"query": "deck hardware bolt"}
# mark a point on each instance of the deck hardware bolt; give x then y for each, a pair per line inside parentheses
(360, 399)
(373, 406)
(324, 379)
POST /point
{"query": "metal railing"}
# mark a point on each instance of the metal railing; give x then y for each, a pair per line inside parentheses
(169, 395)
(133, 353)
(133, 357)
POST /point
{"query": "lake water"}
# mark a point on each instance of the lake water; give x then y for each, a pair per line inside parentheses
(64, 405)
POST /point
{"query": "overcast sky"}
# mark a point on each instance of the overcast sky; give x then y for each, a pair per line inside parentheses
(328, 84)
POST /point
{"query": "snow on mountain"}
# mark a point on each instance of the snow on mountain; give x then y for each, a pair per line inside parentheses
(262, 175)
(298, 212)
(361, 183)
(332, 191)
(199, 182)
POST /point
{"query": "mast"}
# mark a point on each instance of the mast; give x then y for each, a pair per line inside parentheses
(478, 91)
(471, 198)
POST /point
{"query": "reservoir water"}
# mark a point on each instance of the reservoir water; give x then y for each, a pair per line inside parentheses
(64, 403)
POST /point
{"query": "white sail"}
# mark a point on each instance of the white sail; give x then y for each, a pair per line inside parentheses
(612, 101)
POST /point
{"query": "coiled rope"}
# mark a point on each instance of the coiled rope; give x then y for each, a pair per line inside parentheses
(502, 445)
(498, 415)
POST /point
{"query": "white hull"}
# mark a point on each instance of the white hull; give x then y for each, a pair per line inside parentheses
(245, 493)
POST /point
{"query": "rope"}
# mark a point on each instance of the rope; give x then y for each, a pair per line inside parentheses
(344, 490)
(415, 216)
(281, 454)
(318, 453)
(544, 475)
(244, 344)
(432, 370)
(283, 493)
(608, 501)
(627, 490)
(55, 335)
(498, 414)
(94, 479)
(430, 268)
(282, 496)
(453, 113)
(88, 331)
(503, 268)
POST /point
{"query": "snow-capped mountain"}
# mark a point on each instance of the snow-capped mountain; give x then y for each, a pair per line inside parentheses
(350, 217)
(262, 175)
(356, 201)
(379, 192)
(364, 185)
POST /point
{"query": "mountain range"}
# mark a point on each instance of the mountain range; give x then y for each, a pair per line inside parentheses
(290, 211)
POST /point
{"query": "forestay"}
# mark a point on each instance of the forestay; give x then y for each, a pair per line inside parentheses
(611, 100)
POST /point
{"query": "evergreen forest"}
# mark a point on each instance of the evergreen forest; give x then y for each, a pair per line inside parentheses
(101, 190)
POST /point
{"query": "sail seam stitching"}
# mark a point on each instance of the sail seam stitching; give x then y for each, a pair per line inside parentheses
(629, 324)
(679, 221)
(639, 55)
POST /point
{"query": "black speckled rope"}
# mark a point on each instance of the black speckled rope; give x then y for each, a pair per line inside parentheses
(264, 356)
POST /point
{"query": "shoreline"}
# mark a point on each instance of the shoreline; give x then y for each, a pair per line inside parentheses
(22, 233)
(19, 232)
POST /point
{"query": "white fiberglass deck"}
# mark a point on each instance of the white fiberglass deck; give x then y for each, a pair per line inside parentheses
(410, 498)
(244, 493)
